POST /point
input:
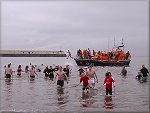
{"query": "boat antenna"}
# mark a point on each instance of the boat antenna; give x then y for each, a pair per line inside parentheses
(114, 42)
(122, 44)
(108, 44)
(122, 41)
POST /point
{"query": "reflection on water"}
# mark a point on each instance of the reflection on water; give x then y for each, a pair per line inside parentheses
(108, 103)
(8, 92)
(61, 97)
(8, 82)
(42, 95)
(31, 80)
(60, 91)
(87, 100)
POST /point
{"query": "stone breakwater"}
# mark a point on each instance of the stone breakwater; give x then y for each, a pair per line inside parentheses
(30, 53)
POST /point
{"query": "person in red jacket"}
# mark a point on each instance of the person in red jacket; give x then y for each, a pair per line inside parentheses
(84, 78)
(108, 82)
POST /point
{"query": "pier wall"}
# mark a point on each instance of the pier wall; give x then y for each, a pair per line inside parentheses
(16, 53)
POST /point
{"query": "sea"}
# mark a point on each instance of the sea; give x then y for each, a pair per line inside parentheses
(41, 95)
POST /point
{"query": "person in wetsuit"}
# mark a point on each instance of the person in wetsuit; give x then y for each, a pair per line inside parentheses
(46, 71)
(51, 73)
(124, 71)
(145, 72)
(66, 70)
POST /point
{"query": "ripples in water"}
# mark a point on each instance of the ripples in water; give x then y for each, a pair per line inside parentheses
(22, 94)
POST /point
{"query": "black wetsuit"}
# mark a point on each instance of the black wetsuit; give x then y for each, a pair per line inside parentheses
(51, 73)
(144, 71)
(124, 72)
(46, 72)
(66, 70)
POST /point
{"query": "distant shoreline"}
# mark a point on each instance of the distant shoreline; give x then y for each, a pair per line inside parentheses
(25, 53)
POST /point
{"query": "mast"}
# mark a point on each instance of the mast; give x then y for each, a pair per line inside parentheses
(108, 44)
(122, 44)
(114, 42)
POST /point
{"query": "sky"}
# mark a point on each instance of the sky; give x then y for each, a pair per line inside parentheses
(73, 25)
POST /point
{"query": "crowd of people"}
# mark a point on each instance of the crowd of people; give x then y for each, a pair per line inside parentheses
(87, 75)
(117, 54)
(89, 78)
(62, 74)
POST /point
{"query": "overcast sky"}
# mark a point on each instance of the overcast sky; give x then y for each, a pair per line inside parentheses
(55, 25)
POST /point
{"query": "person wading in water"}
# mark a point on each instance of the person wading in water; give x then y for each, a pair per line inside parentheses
(61, 77)
(32, 72)
(92, 76)
(8, 71)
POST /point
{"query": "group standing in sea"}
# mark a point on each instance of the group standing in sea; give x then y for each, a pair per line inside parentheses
(58, 72)
(88, 76)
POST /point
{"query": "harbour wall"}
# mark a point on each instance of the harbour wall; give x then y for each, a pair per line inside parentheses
(22, 53)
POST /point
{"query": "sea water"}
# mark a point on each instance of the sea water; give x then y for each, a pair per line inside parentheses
(22, 94)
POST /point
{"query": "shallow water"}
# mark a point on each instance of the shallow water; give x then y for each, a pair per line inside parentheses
(42, 95)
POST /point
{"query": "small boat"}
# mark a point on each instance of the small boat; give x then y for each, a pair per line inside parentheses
(116, 57)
